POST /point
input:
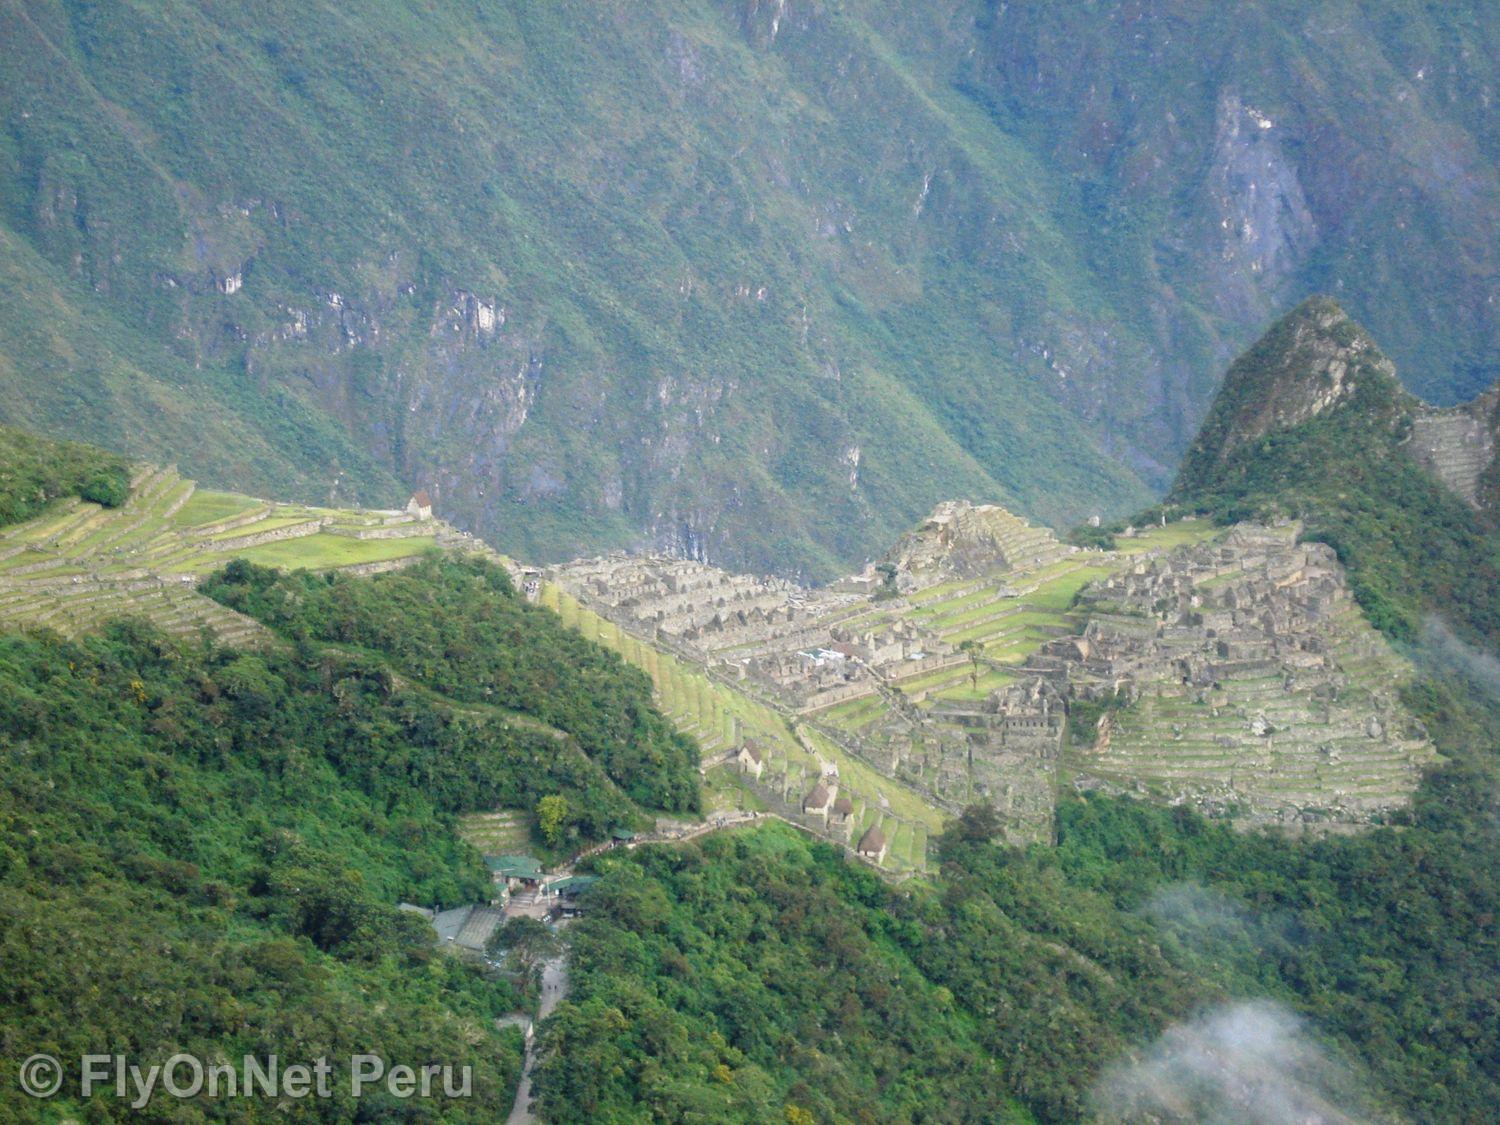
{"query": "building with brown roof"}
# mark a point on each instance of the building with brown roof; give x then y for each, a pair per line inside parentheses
(872, 845)
(750, 758)
(819, 801)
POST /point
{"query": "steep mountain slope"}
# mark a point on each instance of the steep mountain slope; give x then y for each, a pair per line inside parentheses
(1241, 155)
(203, 847)
(673, 272)
(1312, 422)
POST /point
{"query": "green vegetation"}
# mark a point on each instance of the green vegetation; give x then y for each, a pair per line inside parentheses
(753, 977)
(457, 627)
(202, 848)
(718, 714)
(1410, 545)
(760, 970)
(202, 851)
(35, 471)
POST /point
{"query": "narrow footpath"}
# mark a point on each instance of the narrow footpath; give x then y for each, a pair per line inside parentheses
(554, 990)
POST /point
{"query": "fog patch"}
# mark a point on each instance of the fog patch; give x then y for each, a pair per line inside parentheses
(1448, 650)
(1196, 911)
(1251, 1062)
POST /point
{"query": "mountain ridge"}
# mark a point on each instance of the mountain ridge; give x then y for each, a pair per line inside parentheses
(662, 277)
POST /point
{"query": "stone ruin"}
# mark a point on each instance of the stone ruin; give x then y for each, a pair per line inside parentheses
(808, 647)
(1013, 742)
(1241, 677)
(1236, 675)
(964, 540)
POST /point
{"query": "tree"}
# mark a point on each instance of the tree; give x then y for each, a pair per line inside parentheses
(526, 942)
(975, 652)
(551, 816)
(977, 824)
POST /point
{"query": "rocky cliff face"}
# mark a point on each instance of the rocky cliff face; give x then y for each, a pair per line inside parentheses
(1269, 151)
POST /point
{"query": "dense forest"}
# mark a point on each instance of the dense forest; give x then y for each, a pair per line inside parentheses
(764, 970)
(457, 627)
(202, 852)
(35, 471)
(754, 977)
(202, 849)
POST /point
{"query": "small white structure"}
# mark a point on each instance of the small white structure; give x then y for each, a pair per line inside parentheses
(750, 759)
(420, 505)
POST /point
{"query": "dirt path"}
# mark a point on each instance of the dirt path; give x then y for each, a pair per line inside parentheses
(554, 991)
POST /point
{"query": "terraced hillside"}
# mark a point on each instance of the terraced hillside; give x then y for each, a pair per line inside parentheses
(1254, 684)
(79, 563)
(726, 717)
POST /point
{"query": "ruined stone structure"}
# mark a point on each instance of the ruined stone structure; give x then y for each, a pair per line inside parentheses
(1014, 740)
(1457, 445)
(805, 646)
(1253, 683)
(963, 540)
(1236, 674)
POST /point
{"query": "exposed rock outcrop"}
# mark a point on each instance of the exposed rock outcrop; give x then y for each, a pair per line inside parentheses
(964, 540)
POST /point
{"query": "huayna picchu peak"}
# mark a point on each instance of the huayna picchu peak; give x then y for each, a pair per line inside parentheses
(1316, 361)
(1313, 360)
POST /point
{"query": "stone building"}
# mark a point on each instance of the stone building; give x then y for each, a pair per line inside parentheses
(420, 505)
(750, 758)
(820, 800)
(873, 845)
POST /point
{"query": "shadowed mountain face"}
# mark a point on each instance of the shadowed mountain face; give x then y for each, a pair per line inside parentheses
(757, 281)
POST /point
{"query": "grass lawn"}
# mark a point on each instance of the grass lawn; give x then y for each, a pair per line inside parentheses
(271, 523)
(316, 552)
(209, 507)
(1173, 535)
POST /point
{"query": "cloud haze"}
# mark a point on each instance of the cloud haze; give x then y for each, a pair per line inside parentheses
(1251, 1062)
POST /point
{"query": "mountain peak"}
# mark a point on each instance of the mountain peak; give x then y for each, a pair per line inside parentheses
(1313, 360)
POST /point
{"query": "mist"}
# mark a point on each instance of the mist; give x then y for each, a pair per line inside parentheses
(1246, 1062)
